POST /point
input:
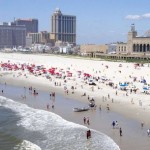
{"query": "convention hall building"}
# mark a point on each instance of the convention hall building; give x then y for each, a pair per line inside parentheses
(136, 45)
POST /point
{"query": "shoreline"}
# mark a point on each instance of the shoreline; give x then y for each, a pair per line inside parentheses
(117, 106)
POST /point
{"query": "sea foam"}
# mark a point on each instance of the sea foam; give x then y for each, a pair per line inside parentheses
(26, 145)
(54, 132)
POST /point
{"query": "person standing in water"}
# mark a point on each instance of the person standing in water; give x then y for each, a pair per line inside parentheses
(84, 119)
(100, 107)
(120, 132)
(113, 124)
(88, 121)
(88, 134)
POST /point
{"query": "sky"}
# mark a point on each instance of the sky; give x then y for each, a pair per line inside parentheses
(98, 21)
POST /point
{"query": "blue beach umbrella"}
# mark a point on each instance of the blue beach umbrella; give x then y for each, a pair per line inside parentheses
(145, 89)
(123, 85)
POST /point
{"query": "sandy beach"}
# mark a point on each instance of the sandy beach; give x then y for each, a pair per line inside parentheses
(110, 79)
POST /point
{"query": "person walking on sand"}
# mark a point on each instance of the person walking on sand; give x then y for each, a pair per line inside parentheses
(120, 131)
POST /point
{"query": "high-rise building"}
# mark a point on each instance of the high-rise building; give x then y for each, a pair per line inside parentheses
(30, 24)
(63, 27)
(12, 36)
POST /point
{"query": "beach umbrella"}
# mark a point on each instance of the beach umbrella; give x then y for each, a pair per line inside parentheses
(145, 88)
(87, 75)
(123, 85)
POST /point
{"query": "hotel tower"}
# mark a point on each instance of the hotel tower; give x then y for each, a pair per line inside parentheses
(63, 27)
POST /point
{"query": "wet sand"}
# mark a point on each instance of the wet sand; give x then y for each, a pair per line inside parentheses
(134, 137)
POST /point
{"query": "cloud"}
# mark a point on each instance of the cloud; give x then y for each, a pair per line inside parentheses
(138, 17)
(146, 15)
(133, 17)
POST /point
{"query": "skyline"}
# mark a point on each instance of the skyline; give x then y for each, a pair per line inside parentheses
(97, 22)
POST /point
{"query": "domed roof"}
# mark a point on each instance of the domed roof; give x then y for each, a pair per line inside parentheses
(57, 10)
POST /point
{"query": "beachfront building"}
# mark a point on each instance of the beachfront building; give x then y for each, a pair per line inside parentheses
(90, 49)
(136, 45)
(12, 36)
(42, 48)
(63, 27)
(30, 24)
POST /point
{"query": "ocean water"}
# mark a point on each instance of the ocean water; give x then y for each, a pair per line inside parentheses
(26, 128)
